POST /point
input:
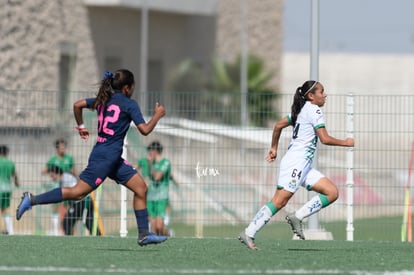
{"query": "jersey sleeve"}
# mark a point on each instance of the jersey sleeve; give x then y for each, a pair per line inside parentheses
(136, 114)
(144, 166)
(90, 101)
(289, 118)
(318, 120)
(142, 162)
(50, 162)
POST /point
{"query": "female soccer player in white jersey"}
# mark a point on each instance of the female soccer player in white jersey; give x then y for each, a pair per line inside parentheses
(296, 170)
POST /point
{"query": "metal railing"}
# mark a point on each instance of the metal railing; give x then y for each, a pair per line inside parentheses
(222, 177)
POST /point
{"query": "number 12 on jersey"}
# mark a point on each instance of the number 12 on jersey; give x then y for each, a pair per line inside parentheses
(113, 118)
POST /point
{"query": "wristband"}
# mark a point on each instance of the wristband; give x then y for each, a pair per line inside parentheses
(80, 127)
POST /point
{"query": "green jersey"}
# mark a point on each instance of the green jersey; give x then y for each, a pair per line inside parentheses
(65, 163)
(7, 170)
(143, 164)
(157, 190)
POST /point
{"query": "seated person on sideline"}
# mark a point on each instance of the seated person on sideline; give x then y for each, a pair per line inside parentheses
(81, 210)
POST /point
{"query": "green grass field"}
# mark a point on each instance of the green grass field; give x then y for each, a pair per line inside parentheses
(373, 229)
(115, 255)
(376, 250)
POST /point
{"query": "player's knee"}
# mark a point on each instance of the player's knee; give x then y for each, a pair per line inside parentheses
(75, 194)
(138, 186)
(144, 188)
(78, 197)
(333, 194)
(139, 195)
(279, 203)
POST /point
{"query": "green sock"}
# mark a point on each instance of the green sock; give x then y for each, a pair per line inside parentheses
(271, 207)
(324, 200)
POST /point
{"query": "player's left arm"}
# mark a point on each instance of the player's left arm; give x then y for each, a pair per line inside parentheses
(146, 127)
(326, 139)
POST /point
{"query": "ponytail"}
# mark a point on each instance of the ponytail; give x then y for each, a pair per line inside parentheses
(112, 83)
(105, 90)
(300, 98)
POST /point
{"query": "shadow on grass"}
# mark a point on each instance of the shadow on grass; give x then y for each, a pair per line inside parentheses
(138, 249)
(305, 249)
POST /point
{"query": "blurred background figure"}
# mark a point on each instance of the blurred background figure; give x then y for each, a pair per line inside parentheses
(65, 162)
(61, 159)
(7, 175)
(82, 210)
(156, 171)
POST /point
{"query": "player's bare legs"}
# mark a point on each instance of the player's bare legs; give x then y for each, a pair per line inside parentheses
(328, 188)
(281, 198)
(137, 185)
(262, 217)
(328, 193)
(158, 227)
(77, 192)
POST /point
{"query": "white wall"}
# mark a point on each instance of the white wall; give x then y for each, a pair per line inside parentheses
(171, 38)
(343, 73)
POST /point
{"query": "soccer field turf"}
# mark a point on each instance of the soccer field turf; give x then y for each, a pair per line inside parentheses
(115, 255)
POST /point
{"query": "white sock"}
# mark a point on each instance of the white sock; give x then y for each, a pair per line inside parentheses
(311, 207)
(261, 218)
(9, 224)
(166, 220)
(55, 220)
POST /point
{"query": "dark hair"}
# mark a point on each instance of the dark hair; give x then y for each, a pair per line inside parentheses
(4, 150)
(112, 83)
(155, 145)
(300, 98)
(55, 169)
(59, 141)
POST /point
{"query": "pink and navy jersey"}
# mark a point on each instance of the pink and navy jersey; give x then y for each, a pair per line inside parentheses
(113, 123)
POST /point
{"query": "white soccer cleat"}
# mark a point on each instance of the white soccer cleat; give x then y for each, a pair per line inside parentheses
(296, 225)
(248, 241)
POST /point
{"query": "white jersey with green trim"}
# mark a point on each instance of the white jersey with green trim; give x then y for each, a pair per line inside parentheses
(304, 138)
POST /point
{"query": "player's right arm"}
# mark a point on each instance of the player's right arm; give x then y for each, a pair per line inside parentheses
(78, 107)
(146, 128)
(277, 130)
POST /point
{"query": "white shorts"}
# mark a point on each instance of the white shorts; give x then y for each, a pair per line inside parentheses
(294, 173)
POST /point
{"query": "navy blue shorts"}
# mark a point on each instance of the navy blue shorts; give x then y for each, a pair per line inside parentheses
(99, 169)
